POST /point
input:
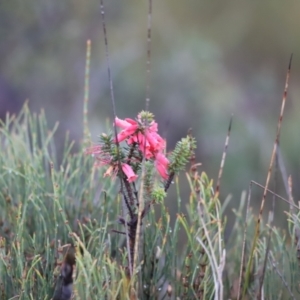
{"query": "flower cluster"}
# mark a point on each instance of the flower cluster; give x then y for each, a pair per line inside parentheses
(141, 135)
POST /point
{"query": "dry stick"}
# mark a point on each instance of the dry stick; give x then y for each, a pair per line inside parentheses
(261, 279)
(223, 159)
(127, 205)
(118, 231)
(148, 54)
(86, 133)
(129, 195)
(141, 191)
(257, 228)
(244, 241)
(115, 127)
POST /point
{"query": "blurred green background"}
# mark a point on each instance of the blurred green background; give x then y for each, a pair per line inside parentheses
(210, 59)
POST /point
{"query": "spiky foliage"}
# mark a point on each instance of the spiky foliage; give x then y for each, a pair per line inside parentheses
(182, 154)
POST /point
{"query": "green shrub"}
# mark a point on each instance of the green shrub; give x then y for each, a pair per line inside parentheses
(51, 209)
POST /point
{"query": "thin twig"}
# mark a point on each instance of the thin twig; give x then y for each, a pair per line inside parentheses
(126, 202)
(115, 115)
(278, 196)
(118, 231)
(86, 133)
(141, 190)
(223, 159)
(148, 54)
(169, 181)
(257, 228)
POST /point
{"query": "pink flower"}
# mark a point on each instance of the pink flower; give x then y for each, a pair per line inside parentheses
(131, 176)
(109, 171)
(142, 143)
(124, 134)
(124, 123)
(129, 127)
(149, 142)
(156, 141)
(136, 138)
(153, 126)
(161, 164)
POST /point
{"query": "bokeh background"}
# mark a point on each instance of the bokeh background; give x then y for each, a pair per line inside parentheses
(210, 59)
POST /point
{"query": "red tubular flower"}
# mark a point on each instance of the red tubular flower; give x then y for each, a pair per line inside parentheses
(144, 145)
(156, 141)
(144, 136)
(131, 176)
(129, 127)
(161, 164)
(124, 134)
(124, 124)
(137, 138)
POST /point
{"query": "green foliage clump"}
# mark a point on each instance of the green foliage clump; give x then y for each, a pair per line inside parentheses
(54, 207)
